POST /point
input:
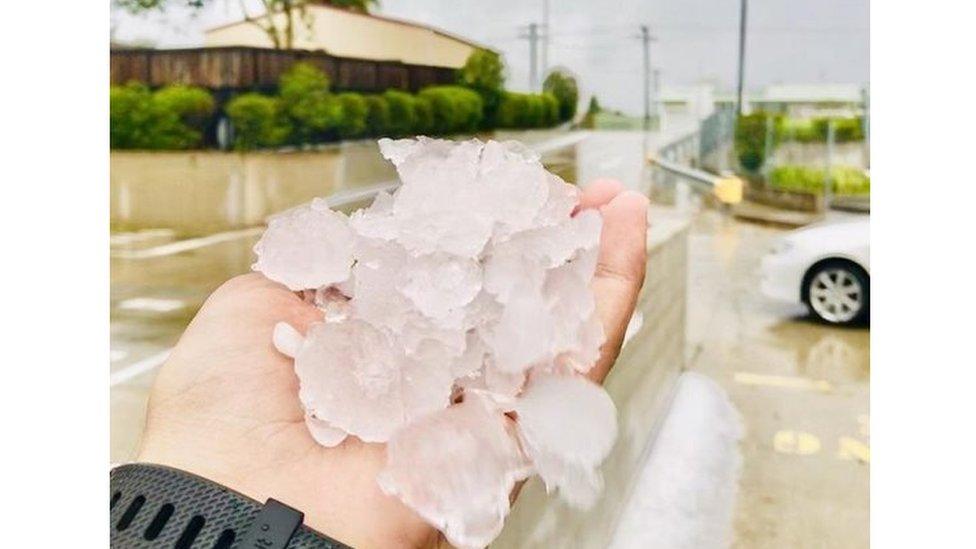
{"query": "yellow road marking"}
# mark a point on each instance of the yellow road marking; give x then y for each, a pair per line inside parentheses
(786, 382)
(850, 448)
(796, 442)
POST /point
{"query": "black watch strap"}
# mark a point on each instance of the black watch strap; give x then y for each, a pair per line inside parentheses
(153, 506)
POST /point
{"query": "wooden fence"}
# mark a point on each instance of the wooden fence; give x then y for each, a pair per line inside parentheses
(242, 68)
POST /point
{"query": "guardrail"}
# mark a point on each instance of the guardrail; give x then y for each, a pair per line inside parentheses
(680, 160)
(726, 188)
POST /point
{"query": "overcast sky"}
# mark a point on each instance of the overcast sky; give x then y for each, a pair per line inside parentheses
(789, 41)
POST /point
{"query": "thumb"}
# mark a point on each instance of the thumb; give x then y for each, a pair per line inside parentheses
(619, 272)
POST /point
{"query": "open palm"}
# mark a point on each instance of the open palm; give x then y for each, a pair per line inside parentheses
(225, 405)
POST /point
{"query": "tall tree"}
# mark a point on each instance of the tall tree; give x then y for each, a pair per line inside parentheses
(562, 84)
(281, 33)
(484, 73)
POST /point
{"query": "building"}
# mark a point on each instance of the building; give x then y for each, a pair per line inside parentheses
(809, 100)
(694, 103)
(352, 34)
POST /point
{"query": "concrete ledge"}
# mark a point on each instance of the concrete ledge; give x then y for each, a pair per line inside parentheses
(641, 385)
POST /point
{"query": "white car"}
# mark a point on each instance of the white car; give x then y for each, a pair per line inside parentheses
(826, 267)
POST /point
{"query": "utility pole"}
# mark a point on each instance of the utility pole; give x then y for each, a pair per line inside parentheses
(533, 37)
(545, 37)
(742, 55)
(646, 38)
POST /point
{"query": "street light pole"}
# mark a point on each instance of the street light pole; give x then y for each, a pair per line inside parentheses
(742, 54)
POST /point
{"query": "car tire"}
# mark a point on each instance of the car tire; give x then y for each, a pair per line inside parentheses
(838, 292)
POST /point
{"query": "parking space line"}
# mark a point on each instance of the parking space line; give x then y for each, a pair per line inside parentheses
(151, 304)
(787, 382)
(186, 245)
(138, 368)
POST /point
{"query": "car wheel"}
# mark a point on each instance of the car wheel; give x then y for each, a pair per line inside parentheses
(837, 292)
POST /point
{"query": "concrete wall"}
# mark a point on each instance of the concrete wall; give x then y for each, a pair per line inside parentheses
(345, 33)
(641, 385)
(203, 192)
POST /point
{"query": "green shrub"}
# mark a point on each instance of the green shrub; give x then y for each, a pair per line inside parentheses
(305, 102)
(377, 116)
(845, 180)
(550, 110)
(484, 73)
(845, 129)
(562, 85)
(814, 130)
(454, 109)
(354, 112)
(750, 140)
(511, 110)
(172, 118)
(424, 114)
(525, 110)
(403, 115)
(256, 121)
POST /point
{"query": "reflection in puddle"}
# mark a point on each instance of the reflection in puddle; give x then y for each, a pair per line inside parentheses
(825, 352)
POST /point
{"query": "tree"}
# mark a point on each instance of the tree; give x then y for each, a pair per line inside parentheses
(562, 85)
(484, 73)
(594, 108)
(281, 33)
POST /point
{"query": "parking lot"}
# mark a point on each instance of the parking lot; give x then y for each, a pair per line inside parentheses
(802, 389)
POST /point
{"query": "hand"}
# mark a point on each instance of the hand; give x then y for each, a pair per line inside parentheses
(225, 404)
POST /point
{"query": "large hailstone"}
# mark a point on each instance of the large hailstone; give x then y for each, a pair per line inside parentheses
(462, 296)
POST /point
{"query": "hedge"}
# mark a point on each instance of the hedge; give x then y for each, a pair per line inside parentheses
(814, 130)
(403, 113)
(424, 115)
(305, 111)
(845, 180)
(306, 105)
(173, 117)
(454, 109)
(377, 116)
(257, 121)
(354, 112)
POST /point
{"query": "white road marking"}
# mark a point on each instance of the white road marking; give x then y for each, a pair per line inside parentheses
(747, 378)
(186, 245)
(123, 239)
(151, 304)
(138, 368)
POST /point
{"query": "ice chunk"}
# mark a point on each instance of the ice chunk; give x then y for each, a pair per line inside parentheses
(438, 285)
(567, 425)
(523, 334)
(307, 247)
(324, 433)
(353, 377)
(287, 339)
(456, 469)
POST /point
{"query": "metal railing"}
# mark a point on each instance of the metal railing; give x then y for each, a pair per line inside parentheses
(679, 161)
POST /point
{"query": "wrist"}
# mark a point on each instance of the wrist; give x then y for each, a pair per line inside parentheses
(163, 505)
